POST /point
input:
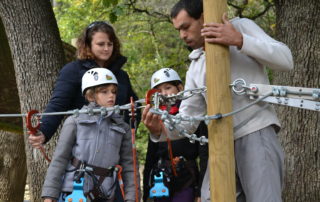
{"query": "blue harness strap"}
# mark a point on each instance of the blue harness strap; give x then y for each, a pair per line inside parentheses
(77, 194)
(159, 189)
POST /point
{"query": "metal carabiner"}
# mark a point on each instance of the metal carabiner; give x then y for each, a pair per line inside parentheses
(149, 94)
(33, 129)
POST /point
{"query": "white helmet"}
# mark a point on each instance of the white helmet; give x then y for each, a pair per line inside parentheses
(96, 77)
(164, 75)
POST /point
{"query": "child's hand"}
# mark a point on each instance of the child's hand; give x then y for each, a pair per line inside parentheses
(151, 121)
(36, 141)
(49, 200)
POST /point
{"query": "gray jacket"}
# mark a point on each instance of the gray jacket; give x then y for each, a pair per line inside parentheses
(102, 141)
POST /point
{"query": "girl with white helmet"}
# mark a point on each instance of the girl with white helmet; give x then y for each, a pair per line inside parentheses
(184, 186)
(96, 143)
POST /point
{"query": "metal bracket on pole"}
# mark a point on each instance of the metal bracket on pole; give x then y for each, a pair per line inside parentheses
(305, 98)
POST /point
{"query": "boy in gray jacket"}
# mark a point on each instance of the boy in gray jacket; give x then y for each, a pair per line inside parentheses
(95, 142)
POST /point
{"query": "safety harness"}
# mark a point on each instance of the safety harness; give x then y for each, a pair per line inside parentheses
(164, 174)
(96, 193)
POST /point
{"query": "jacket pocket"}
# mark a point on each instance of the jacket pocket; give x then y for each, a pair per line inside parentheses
(116, 135)
(87, 130)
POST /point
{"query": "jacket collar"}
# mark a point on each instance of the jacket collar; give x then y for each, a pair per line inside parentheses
(115, 66)
(195, 54)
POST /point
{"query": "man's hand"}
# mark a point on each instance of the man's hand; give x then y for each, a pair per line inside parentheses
(151, 121)
(36, 141)
(224, 33)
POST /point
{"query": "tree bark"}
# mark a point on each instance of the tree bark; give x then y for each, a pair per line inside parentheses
(37, 55)
(13, 170)
(9, 100)
(298, 25)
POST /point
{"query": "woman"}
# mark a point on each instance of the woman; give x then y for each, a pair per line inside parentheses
(98, 46)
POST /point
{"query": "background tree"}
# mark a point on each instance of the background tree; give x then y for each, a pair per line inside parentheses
(298, 25)
(13, 170)
(37, 54)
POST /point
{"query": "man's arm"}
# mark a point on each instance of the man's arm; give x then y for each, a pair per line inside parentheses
(250, 40)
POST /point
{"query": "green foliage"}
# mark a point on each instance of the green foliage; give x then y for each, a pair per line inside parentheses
(108, 3)
(11, 128)
(261, 11)
(142, 143)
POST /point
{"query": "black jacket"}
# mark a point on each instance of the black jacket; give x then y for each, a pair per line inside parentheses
(182, 147)
(67, 92)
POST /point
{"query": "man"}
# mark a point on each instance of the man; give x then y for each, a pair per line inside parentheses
(258, 154)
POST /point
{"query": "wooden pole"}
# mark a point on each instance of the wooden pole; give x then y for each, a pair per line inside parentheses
(221, 147)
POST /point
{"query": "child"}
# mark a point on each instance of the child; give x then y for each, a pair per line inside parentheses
(95, 142)
(185, 186)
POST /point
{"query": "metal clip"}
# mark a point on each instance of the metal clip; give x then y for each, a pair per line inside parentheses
(103, 111)
(316, 94)
(275, 91)
(239, 86)
(193, 138)
(203, 140)
(116, 109)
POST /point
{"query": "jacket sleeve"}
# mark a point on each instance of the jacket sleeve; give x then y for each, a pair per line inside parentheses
(126, 161)
(151, 160)
(64, 93)
(62, 155)
(259, 45)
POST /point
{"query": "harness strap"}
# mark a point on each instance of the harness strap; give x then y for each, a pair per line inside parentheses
(120, 180)
(102, 172)
(169, 149)
(134, 149)
(96, 193)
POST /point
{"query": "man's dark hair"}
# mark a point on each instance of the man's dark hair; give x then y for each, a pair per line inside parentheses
(193, 7)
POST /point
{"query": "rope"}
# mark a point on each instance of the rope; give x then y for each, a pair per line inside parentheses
(169, 149)
(120, 180)
(134, 150)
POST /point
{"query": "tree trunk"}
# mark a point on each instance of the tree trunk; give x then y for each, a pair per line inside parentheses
(13, 170)
(298, 25)
(37, 55)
